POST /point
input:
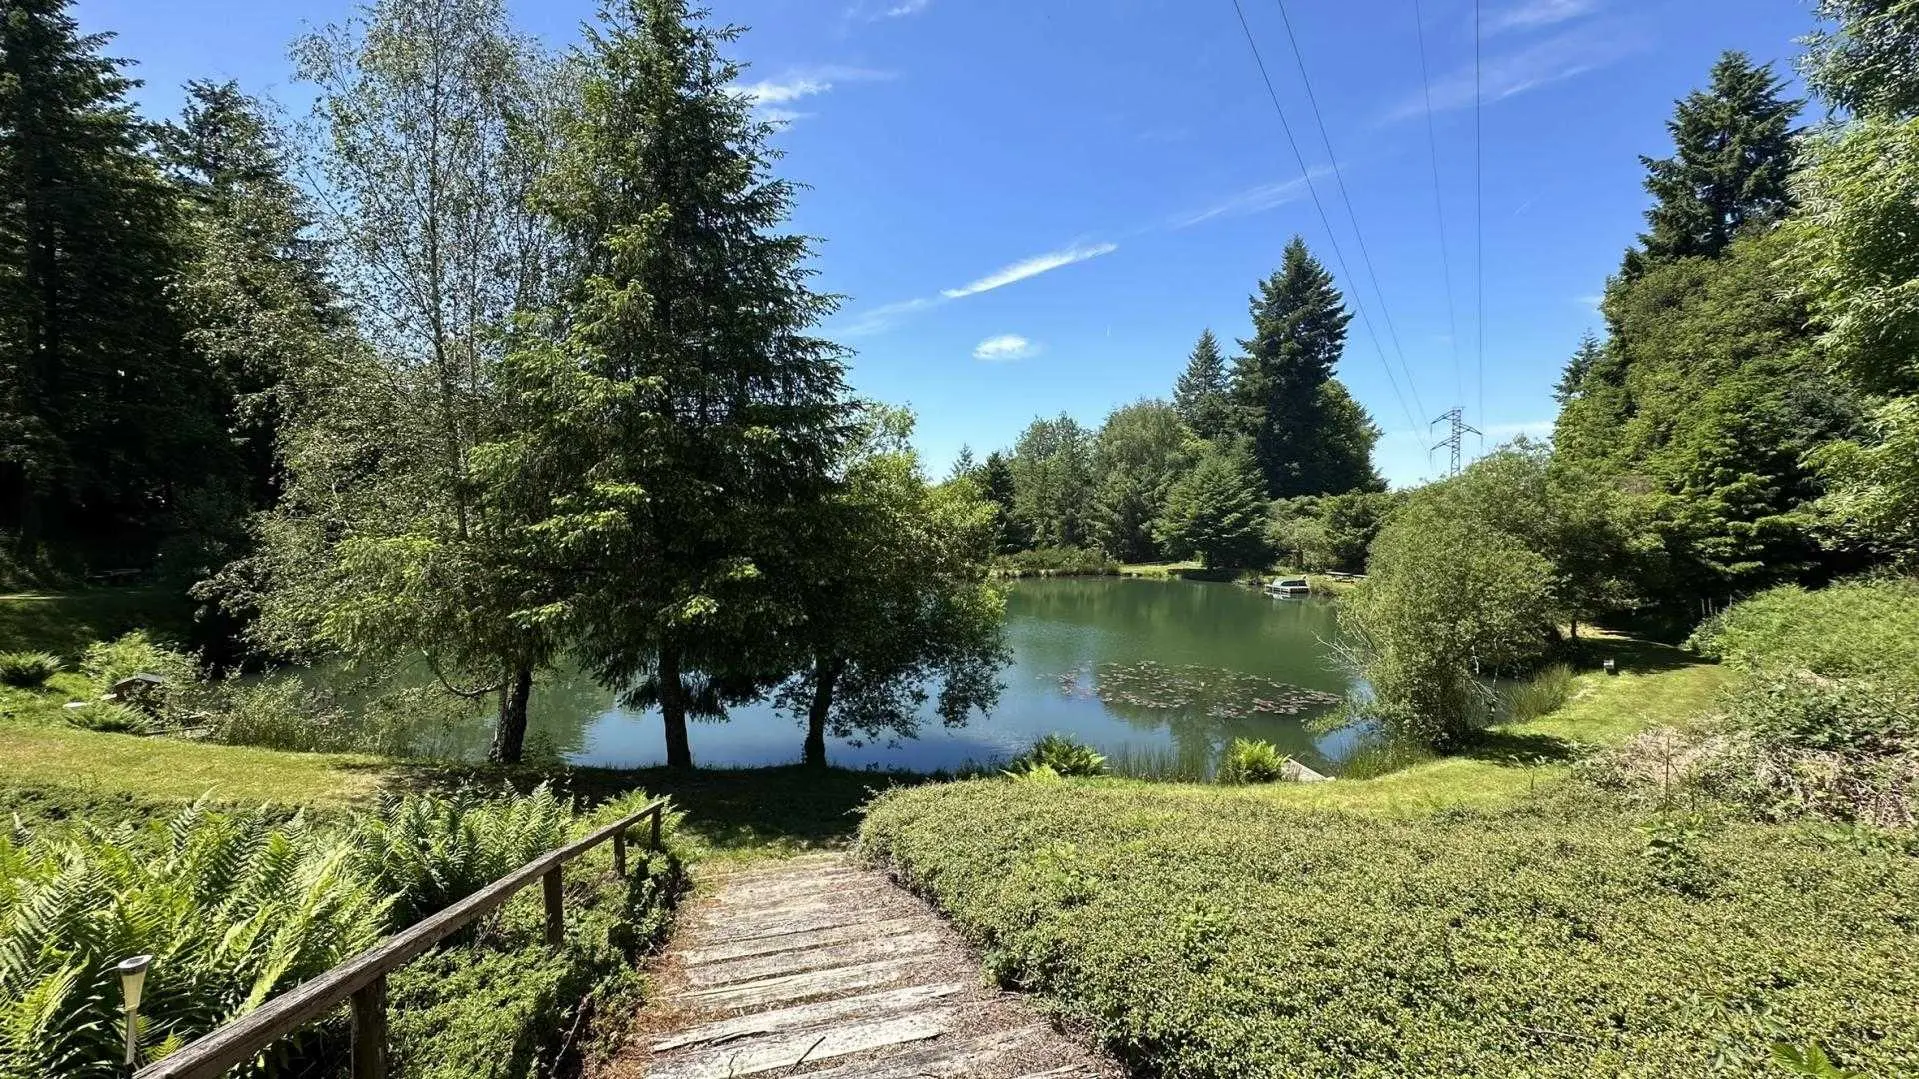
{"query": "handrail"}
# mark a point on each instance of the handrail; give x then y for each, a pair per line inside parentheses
(363, 977)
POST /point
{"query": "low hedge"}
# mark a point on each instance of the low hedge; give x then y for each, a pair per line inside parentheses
(1211, 933)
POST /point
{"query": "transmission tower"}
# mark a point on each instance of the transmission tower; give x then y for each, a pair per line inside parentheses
(1456, 426)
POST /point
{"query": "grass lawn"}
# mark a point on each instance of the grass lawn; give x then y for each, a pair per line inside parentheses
(66, 622)
(170, 769)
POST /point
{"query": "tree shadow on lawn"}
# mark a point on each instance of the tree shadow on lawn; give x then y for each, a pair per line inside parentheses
(741, 812)
(1519, 749)
(1631, 655)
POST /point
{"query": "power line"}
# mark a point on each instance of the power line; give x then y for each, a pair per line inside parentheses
(1339, 178)
(1313, 190)
(1479, 219)
(1439, 203)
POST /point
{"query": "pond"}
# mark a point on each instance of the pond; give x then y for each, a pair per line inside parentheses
(1148, 671)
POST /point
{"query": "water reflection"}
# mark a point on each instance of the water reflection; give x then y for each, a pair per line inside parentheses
(1162, 669)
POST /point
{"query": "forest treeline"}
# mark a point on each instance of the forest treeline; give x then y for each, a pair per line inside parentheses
(511, 361)
(1746, 421)
(1267, 455)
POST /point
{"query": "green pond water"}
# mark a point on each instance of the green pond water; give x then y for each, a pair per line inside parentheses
(1166, 671)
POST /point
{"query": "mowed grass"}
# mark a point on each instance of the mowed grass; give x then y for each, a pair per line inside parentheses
(64, 623)
(169, 769)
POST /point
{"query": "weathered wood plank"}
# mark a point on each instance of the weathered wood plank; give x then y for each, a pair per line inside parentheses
(810, 938)
(792, 988)
(720, 931)
(865, 1005)
(791, 1050)
(760, 897)
(755, 967)
(948, 1058)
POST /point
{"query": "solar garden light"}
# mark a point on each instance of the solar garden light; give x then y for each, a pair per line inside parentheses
(133, 978)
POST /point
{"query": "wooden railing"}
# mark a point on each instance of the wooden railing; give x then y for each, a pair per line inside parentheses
(362, 979)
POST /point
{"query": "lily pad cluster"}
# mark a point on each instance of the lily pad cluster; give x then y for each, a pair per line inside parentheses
(1222, 694)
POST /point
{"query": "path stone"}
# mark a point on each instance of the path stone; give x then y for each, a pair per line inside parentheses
(819, 967)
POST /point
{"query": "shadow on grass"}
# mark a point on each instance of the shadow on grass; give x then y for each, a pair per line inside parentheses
(743, 812)
(1630, 654)
(1516, 748)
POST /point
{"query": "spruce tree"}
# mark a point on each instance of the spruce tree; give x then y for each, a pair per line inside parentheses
(687, 423)
(996, 484)
(1573, 377)
(1279, 380)
(1216, 512)
(1200, 394)
(106, 422)
(1731, 166)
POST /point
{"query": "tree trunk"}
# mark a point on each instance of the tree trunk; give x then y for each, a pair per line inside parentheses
(825, 673)
(679, 751)
(1575, 629)
(509, 736)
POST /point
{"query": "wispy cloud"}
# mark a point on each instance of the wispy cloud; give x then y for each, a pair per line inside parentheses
(1593, 301)
(771, 97)
(1562, 56)
(1533, 14)
(905, 8)
(1253, 200)
(1005, 348)
(877, 320)
(1032, 267)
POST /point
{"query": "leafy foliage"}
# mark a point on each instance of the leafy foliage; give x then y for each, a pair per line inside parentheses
(1216, 512)
(27, 669)
(108, 717)
(232, 908)
(432, 851)
(1250, 760)
(1060, 755)
(1449, 597)
(1220, 933)
(236, 908)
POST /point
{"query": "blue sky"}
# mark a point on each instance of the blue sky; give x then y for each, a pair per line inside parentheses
(1035, 206)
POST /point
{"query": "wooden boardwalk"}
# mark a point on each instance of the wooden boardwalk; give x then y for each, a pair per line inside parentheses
(818, 967)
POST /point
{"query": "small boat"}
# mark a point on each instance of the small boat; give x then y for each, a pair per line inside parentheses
(1288, 586)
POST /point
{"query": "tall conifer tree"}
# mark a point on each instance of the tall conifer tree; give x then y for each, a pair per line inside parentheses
(688, 417)
(1731, 166)
(1200, 394)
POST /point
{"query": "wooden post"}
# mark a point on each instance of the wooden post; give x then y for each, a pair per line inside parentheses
(619, 853)
(369, 1030)
(555, 913)
(658, 812)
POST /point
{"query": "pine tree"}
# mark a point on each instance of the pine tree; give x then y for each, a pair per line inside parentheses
(1278, 381)
(687, 423)
(1200, 394)
(1731, 166)
(996, 484)
(1573, 378)
(1216, 511)
(106, 422)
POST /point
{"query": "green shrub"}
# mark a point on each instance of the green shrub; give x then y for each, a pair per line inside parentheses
(107, 662)
(26, 670)
(1057, 562)
(110, 718)
(232, 908)
(1862, 628)
(1251, 761)
(1859, 717)
(432, 851)
(235, 908)
(1064, 755)
(285, 712)
(1209, 933)
(1540, 695)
